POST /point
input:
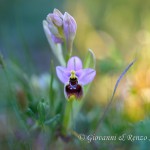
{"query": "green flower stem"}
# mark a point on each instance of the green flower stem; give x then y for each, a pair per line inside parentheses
(72, 109)
(51, 91)
(68, 57)
(68, 52)
(69, 47)
(68, 116)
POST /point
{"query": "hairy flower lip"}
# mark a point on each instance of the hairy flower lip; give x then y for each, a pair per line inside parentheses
(73, 90)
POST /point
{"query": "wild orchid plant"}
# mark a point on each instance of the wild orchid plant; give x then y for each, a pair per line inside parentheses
(52, 117)
(60, 30)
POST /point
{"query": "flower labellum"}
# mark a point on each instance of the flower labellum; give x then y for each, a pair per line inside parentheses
(74, 77)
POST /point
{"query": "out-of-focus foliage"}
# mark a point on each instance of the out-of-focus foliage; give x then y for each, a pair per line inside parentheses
(117, 31)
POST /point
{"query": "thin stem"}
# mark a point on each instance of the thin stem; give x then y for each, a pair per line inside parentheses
(72, 116)
(69, 47)
(68, 116)
(112, 97)
(51, 92)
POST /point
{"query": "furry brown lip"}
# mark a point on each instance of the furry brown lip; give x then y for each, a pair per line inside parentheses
(74, 89)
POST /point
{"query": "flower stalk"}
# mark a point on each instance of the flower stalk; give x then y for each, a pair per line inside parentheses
(68, 116)
(61, 28)
(74, 77)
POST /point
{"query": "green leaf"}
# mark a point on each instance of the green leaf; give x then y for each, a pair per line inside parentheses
(51, 120)
(41, 111)
(89, 61)
(30, 112)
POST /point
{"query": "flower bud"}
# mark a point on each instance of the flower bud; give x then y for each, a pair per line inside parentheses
(54, 42)
(57, 17)
(60, 27)
(70, 27)
(55, 25)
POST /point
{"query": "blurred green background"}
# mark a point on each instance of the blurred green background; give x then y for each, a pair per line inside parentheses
(117, 31)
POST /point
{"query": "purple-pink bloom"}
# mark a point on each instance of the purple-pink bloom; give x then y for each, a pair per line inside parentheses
(74, 77)
(70, 27)
(62, 27)
(55, 23)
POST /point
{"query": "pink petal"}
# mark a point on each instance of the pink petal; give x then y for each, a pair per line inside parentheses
(63, 74)
(74, 63)
(56, 19)
(87, 76)
(70, 26)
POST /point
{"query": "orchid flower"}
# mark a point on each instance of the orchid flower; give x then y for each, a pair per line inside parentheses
(74, 77)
